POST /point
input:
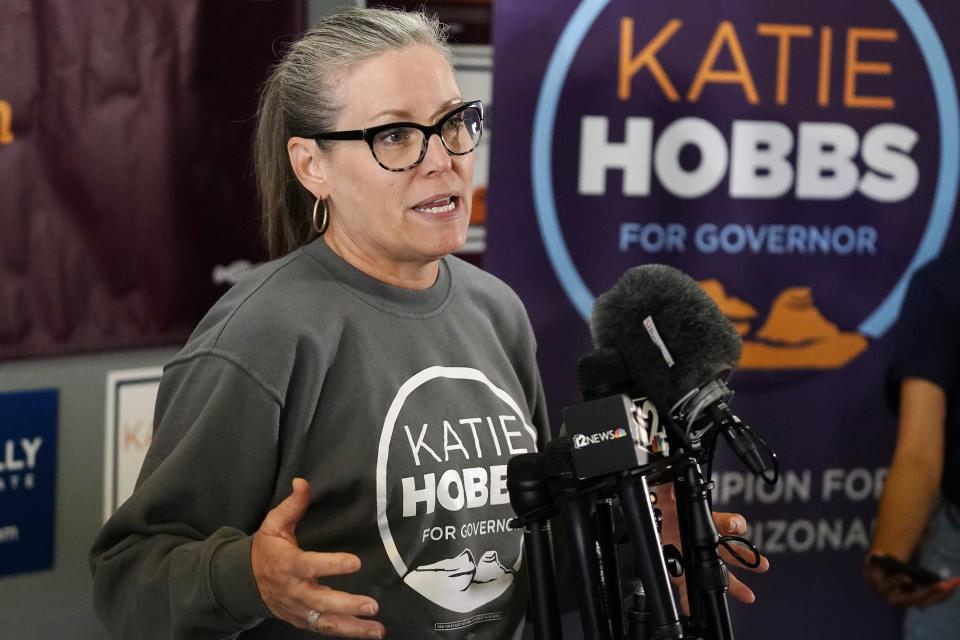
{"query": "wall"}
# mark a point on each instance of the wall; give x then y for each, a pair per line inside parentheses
(58, 603)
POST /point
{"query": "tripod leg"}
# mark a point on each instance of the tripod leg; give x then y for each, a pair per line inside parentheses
(707, 577)
(610, 567)
(544, 610)
(635, 502)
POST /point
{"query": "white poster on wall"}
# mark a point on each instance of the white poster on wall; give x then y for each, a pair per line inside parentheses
(131, 396)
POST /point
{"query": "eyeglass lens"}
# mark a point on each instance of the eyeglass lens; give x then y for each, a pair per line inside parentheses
(401, 147)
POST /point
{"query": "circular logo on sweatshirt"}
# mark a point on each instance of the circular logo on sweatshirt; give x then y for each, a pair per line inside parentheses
(442, 503)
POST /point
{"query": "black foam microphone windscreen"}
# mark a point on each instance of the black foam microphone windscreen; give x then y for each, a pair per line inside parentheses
(671, 336)
(529, 487)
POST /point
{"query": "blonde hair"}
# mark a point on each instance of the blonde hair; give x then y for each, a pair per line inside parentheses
(298, 99)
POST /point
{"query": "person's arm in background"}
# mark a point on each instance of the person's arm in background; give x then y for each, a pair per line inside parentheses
(910, 491)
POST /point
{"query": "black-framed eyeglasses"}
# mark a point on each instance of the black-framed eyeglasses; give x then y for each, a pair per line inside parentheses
(399, 146)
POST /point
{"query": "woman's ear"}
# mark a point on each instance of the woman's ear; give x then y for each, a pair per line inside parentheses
(307, 164)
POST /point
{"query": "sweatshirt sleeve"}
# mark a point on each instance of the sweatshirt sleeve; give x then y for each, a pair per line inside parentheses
(536, 398)
(174, 560)
(538, 412)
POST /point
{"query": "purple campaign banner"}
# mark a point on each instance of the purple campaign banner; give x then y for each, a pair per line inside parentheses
(800, 162)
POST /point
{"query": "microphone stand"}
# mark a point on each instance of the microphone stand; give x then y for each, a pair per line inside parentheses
(531, 499)
(582, 484)
(707, 576)
(651, 568)
(708, 579)
(544, 611)
(610, 566)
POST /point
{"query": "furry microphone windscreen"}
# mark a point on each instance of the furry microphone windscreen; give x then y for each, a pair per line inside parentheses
(694, 332)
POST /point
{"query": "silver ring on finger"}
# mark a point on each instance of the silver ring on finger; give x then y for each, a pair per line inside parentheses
(312, 618)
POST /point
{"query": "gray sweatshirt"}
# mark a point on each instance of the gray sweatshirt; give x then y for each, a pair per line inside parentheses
(400, 407)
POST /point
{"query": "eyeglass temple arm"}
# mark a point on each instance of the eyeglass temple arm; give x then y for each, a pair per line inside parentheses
(339, 135)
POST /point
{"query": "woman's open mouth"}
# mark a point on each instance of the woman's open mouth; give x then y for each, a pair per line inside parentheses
(439, 207)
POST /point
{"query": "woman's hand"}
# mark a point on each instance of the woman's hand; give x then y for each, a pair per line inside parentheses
(287, 576)
(733, 524)
(899, 589)
(729, 524)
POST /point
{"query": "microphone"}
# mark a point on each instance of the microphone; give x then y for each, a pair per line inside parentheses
(606, 437)
(576, 512)
(677, 349)
(669, 333)
(660, 335)
(608, 441)
(532, 501)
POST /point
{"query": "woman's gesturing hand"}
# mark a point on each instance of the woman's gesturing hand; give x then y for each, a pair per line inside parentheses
(287, 576)
(727, 524)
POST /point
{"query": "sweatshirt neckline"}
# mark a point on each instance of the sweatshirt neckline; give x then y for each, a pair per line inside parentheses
(386, 297)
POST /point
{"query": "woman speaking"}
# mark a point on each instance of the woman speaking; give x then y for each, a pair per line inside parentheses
(330, 445)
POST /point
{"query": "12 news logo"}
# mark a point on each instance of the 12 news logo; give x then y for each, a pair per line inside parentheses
(580, 440)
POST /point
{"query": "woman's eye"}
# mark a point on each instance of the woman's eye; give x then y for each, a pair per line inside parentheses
(394, 136)
(454, 122)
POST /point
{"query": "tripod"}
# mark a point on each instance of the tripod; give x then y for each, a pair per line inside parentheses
(706, 415)
(588, 484)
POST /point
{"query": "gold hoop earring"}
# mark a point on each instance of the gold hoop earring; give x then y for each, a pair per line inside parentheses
(322, 226)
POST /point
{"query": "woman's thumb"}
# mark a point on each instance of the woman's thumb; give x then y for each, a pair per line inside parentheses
(285, 516)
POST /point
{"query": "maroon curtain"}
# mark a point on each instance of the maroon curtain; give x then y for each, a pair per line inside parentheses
(125, 177)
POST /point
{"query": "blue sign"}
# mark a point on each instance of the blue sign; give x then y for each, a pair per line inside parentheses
(28, 479)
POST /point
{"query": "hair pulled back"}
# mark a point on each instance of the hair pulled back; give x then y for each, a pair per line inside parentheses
(298, 98)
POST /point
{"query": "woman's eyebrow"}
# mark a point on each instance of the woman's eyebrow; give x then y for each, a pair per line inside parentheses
(400, 113)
